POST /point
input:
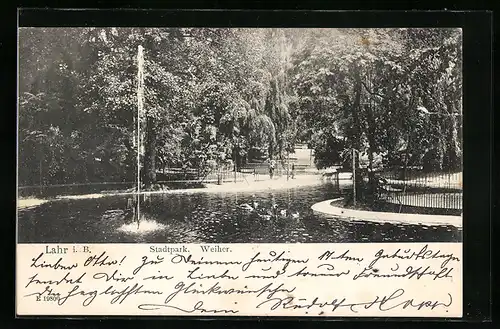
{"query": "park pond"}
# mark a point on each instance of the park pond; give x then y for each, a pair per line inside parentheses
(280, 216)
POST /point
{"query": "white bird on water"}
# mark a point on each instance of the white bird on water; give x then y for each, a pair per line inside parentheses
(295, 215)
(246, 206)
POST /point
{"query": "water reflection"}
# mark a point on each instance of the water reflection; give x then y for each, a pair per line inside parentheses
(282, 216)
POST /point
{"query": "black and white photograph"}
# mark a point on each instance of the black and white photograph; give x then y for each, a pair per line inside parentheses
(239, 135)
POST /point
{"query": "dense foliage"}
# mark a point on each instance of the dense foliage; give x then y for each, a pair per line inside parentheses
(393, 93)
(215, 96)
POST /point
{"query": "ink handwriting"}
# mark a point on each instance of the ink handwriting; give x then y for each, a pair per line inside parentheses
(266, 281)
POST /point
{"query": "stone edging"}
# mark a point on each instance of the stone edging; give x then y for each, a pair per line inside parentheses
(325, 207)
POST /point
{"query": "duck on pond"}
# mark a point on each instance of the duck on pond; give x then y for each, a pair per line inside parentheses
(273, 212)
(246, 206)
(254, 205)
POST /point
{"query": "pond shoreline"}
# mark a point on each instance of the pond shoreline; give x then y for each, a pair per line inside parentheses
(28, 203)
(245, 186)
(326, 207)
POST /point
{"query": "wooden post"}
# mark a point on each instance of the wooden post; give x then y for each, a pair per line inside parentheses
(354, 176)
(41, 185)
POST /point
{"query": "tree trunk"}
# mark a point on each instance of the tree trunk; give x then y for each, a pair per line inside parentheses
(370, 131)
(149, 154)
(457, 150)
(441, 149)
(129, 163)
(270, 150)
(454, 152)
(236, 158)
(407, 156)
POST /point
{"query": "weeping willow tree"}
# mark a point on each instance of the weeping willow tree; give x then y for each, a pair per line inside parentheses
(265, 122)
(252, 108)
(277, 61)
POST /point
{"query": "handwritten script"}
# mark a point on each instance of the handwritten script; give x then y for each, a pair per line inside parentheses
(241, 280)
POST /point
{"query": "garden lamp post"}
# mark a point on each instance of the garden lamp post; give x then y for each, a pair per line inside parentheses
(354, 175)
(237, 149)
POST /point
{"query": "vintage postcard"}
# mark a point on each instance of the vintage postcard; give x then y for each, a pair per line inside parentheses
(239, 172)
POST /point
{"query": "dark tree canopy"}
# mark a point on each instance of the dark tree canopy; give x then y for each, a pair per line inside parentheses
(217, 94)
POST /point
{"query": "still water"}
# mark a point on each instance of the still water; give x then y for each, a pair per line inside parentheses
(213, 218)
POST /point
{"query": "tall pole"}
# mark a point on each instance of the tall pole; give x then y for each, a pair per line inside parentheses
(140, 105)
(288, 166)
(354, 176)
